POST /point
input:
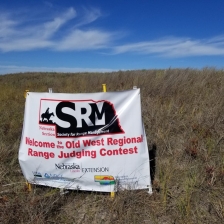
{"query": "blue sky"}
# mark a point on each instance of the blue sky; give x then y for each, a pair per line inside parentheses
(110, 35)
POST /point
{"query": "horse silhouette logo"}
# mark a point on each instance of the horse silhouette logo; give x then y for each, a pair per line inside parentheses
(45, 117)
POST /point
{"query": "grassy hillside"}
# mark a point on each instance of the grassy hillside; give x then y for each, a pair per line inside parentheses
(183, 113)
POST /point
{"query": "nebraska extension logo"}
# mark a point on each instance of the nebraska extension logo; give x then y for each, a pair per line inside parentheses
(79, 117)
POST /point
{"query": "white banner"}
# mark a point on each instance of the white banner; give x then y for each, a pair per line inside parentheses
(90, 141)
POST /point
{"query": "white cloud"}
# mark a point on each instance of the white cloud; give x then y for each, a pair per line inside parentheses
(176, 47)
(6, 26)
(88, 17)
(49, 28)
(19, 69)
(83, 40)
(58, 33)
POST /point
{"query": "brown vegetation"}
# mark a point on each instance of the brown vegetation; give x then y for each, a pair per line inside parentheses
(183, 113)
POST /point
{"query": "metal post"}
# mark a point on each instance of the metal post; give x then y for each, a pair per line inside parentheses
(104, 87)
(25, 93)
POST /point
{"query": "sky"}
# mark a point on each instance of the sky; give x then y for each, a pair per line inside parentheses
(110, 35)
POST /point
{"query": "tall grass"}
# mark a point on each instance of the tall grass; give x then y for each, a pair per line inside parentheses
(183, 113)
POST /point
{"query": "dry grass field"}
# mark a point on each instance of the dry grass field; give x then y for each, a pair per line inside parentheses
(183, 113)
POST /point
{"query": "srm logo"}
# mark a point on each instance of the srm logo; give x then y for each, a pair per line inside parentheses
(80, 118)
